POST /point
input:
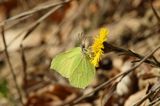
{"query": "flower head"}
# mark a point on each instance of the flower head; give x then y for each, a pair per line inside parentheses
(97, 46)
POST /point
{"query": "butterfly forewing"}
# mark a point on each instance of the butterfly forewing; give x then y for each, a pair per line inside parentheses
(65, 62)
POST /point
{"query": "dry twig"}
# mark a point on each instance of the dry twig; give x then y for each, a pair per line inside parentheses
(33, 26)
(110, 48)
(24, 64)
(10, 65)
(155, 12)
(154, 102)
(147, 96)
(36, 9)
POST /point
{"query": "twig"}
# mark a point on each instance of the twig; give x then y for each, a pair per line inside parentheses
(33, 26)
(146, 96)
(24, 64)
(110, 48)
(154, 58)
(112, 89)
(107, 95)
(16, 22)
(114, 78)
(155, 12)
(36, 9)
(154, 102)
(10, 66)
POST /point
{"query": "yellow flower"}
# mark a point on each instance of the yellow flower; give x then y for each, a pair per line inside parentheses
(97, 46)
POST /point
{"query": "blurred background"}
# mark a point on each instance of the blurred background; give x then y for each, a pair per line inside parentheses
(36, 30)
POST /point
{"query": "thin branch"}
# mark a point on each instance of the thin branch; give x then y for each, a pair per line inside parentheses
(36, 9)
(10, 65)
(112, 89)
(154, 102)
(111, 48)
(16, 22)
(155, 12)
(114, 78)
(108, 93)
(154, 58)
(147, 96)
(34, 25)
(24, 64)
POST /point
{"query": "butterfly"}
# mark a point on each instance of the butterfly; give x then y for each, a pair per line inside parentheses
(75, 65)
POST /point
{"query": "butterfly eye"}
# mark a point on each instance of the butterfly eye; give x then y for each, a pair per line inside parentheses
(83, 48)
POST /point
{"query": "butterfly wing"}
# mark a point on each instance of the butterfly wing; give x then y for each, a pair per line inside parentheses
(64, 63)
(83, 73)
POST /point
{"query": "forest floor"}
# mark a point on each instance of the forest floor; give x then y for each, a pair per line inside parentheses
(33, 32)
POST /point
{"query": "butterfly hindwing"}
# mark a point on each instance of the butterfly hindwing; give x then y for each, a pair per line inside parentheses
(83, 74)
